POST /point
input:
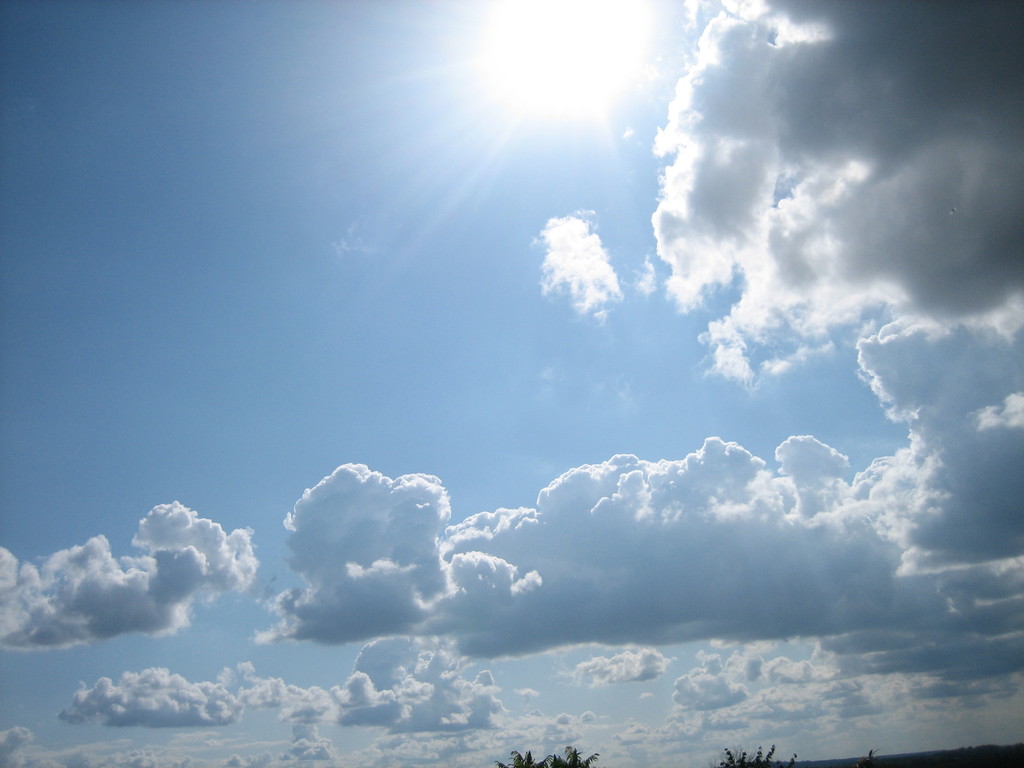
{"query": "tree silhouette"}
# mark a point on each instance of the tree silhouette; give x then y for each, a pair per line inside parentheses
(759, 760)
(518, 761)
(572, 759)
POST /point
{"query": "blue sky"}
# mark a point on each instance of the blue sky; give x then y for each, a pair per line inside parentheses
(398, 383)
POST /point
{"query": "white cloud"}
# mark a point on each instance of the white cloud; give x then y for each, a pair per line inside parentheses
(1010, 414)
(367, 547)
(403, 684)
(816, 470)
(730, 550)
(818, 157)
(423, 689)
(308, 744)
(629, 666)
(83, 594)
(297, 704)
(223, 561)
(706, 527)
(576, 262)
(154, 698)
(707, 686)
(647, 280)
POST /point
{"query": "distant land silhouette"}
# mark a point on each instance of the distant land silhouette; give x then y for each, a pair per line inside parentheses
(987, 756)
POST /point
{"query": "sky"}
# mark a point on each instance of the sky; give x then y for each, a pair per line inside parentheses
(404, 383)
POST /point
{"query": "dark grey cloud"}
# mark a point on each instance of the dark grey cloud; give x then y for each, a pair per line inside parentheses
(840, 161)
(949, 386)
(84, 594)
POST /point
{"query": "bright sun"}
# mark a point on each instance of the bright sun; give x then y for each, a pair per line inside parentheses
(563, 58)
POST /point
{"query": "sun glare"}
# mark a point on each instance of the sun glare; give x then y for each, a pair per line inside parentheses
(563, 58)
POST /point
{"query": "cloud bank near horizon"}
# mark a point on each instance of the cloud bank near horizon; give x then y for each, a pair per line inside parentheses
(921, 546)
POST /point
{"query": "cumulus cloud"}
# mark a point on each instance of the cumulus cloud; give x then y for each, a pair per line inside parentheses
(155, 698)
(370, 551)
(308, 744)
(637, 665)
(707, 526)
(949, 495)
(84, 594)
(833, 163)
(878, 564)
(816, 471)
(297, 704)
(415, 686)
(707, 686)
(402, 684)
(1009, 414)
(577, 263)
(366, 545)
(11, 742)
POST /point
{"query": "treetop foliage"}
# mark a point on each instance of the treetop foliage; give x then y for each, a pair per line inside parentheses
(572, 759)
(759, 760)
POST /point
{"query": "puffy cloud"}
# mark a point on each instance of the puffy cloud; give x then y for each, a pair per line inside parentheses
(707, 686)
(154, 698)
(830, 163)
(913, 565)
(11, 742)
(403, 684)
(629, 666)
(547, 733)
(224, 561)
(816, 471)
(415, 686)
(366, 545)
(297, 704)
(576, 262)
(84, 594)
(1009, 414)
(725, 554)
(308, 744)
(730, 549)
